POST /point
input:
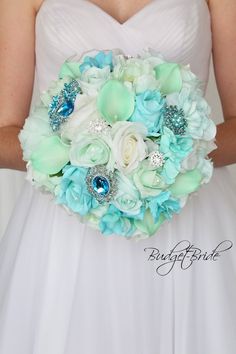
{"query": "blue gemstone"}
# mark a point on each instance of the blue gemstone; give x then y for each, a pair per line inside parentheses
(53, 104)
(66, 108)
(101, 185)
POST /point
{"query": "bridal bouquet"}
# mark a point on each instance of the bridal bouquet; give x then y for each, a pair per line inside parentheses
(120, 141)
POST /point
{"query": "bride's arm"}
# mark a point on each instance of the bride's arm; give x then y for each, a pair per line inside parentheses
(17, 21)
(223, 17)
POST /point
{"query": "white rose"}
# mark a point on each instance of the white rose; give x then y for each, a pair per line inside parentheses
(92, 79)
(198, 159)
(85, 110)
(129, 147)
(43, 181)
(131, 69)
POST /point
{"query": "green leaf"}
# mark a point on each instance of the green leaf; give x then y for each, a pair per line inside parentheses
(169, 76)
(70, 69)
(186, 183)
(115, 101)
(147, 225)
(50, 156)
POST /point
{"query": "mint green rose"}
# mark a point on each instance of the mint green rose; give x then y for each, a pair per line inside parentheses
(127, 199)
(148, 180)
(89, 150)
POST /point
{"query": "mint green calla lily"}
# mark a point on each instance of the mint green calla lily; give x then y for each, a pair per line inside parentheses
(115, 101)
(147, 225)
(169, 76)
(186, 183)
(50, 156)
(70, 69)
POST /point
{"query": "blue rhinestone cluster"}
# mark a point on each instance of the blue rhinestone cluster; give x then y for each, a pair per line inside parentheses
(175, 120)
(101, 183)
(62, 105)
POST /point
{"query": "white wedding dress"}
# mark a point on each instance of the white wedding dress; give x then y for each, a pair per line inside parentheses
(65, 288)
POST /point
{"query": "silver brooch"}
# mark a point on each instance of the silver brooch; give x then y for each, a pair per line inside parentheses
(98, 126)
(101, 183)
(156, 159)
(62, 105)
(175, 120)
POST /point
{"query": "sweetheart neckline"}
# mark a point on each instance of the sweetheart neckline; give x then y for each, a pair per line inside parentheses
(113, 19)
(132, 18)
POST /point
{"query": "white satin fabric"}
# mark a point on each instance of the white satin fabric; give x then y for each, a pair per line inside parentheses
(66, 289)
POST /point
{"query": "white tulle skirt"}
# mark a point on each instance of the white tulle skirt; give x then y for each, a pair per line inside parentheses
(11, 183)
(66, 289)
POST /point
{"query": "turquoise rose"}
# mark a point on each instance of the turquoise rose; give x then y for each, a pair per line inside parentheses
(114, 222)
(127, 199)
(100, 60)
(148, 110)
(74, 193)
(163, 204)
(174, 148)
(170, 170)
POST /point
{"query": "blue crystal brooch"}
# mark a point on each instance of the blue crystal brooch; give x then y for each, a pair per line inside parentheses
(62, 105)
(175, 120)
(101, 183)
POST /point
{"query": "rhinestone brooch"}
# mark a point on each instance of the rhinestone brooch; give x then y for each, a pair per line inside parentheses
(101, 183)
(62, 105)
(98, 126)
(175, 120)
(156, 159)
